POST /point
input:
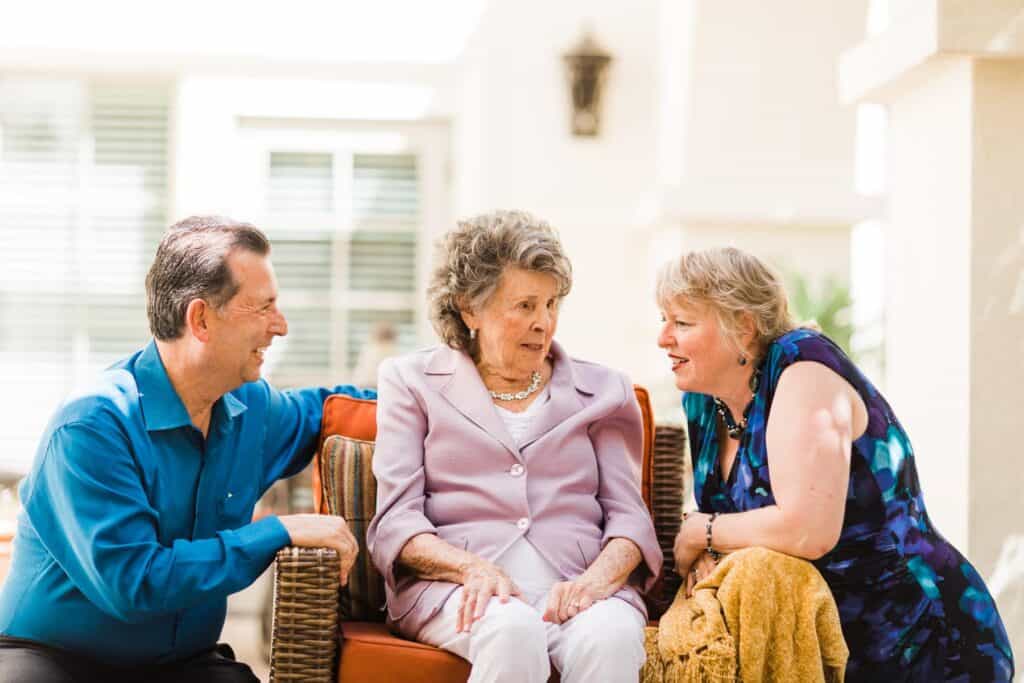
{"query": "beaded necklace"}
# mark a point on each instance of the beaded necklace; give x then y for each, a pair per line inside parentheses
(736, 429)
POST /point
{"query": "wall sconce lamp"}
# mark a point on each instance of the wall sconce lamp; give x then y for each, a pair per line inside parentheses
(587, 65)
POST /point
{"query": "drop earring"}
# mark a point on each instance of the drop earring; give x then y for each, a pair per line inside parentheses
(472, 334)
(743, 360)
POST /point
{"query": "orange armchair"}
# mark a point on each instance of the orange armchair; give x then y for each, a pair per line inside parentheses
(324, 633)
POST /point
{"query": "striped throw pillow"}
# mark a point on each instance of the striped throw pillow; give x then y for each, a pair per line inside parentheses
(346, 470)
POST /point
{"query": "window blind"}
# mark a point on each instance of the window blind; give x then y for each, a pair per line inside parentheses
(83, 196)
(344, 229)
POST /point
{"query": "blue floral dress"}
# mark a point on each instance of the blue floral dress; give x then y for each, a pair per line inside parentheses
(912, 608)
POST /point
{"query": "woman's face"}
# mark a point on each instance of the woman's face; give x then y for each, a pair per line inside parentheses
(515, 327)
(701, 356)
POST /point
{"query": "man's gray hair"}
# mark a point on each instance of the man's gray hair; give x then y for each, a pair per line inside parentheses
(472, 257)
(191, 263)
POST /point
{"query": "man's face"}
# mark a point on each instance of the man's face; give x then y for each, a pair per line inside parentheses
(241, 331)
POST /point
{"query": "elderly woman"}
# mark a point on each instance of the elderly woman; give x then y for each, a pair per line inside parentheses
(510, 528)
(795, 450)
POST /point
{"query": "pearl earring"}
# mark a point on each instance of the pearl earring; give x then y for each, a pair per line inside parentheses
(472, 334)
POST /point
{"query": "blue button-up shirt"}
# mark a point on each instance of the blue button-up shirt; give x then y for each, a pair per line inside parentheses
(135, 528)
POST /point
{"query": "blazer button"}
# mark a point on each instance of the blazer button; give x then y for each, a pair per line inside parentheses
(517, 470)
(523, 523)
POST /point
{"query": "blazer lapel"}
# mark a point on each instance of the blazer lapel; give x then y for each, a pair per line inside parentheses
(460, 384)
(565, 401)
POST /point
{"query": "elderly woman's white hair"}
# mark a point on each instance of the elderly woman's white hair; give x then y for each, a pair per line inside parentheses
(731, 283)
(472, 257)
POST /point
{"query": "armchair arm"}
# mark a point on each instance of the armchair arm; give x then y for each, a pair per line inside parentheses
(305, 635)
(668, 489)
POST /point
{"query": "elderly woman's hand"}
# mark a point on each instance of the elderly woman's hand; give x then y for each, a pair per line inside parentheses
(603, 577)
(569, 598)
(481, 580)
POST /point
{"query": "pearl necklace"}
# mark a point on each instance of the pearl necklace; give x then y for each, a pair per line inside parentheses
(519, 395)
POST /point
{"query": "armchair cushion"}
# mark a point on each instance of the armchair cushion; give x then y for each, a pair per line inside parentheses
(349, 490)
(343, 415)
(371, 653)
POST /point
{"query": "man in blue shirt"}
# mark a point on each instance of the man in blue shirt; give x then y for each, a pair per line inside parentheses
(137, 511)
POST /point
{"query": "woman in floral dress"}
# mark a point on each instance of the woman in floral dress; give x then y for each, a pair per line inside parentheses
(795, 450)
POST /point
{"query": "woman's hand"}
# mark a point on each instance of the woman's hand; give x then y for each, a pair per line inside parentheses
(699, 570)
(569, 598)
(481, 580)
(690, 542)
(607, 574)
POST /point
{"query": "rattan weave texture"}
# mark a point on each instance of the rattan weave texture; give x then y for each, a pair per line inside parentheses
(667, 489)
(305, 632)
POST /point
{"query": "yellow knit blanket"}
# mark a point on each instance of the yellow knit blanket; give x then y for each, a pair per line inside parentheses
(760, 616)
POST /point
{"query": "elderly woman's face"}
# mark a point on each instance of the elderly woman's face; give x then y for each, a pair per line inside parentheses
(699, 353)
(515, 327)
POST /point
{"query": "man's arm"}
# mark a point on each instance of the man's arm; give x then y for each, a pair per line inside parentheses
(91, 512)
(293, 425)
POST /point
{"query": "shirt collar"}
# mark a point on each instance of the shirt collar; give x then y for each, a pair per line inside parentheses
(162, 408)
(233, 407)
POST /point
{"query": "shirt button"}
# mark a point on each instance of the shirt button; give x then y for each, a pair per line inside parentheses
(523, 523)
(517, 470)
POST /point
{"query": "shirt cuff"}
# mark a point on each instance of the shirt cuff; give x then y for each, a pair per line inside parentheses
(262, 539)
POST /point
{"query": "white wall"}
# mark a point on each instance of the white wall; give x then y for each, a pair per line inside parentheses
(764, 153)
(997, 312)
(952, 75)
(513, 147)
(769, 139)
(720, 120)
(211, 110)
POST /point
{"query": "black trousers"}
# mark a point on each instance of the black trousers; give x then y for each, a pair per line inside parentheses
(26, 661)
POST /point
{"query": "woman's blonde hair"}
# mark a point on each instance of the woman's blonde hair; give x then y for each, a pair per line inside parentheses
(731, 283)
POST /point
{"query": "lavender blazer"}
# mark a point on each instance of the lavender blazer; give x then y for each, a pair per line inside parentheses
(445, 464)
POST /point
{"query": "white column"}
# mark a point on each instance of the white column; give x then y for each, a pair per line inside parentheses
(952, 76)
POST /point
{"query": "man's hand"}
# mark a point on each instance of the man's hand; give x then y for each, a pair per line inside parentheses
(324, 531)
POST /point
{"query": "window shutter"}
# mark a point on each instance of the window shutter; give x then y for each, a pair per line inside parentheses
(83, 192)
(382, 261)
(385, 188)
(300, 204)
(383, 253)
(127, 214)
(345, 259)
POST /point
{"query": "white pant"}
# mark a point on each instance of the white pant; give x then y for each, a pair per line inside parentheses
(512, 643)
